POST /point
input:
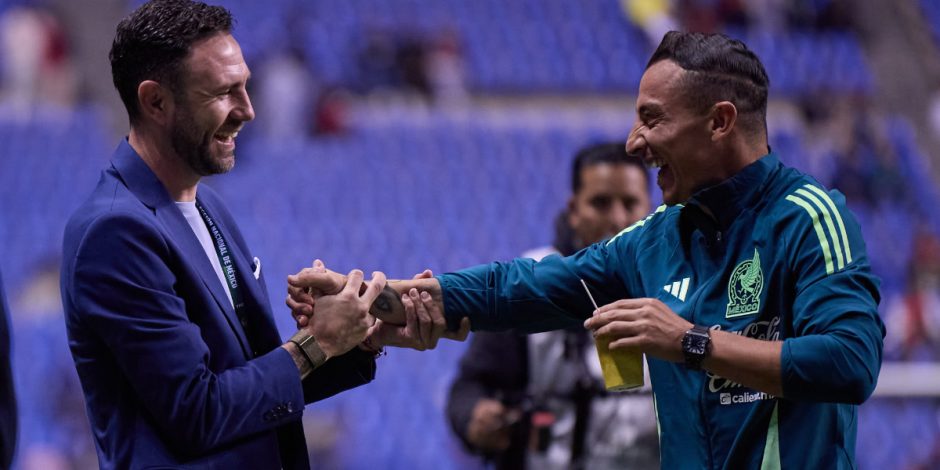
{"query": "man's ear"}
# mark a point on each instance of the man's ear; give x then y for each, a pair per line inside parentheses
(724, 116)
(156, 102)
(573, 216)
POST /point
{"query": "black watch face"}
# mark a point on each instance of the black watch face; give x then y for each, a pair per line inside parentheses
(696, 344)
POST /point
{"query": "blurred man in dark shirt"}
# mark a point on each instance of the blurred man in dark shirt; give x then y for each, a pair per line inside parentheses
(574, 423)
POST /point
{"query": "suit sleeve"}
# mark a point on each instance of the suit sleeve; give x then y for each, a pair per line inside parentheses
(531, 296)
(340, 373)
(835, 352)
(124, 288)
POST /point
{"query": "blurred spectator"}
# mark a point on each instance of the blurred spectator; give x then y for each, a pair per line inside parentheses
(445, 71)
(816, 14)
(410, 58)
(699, 16)
(834, 14)
(331, 115)
(913, 320)
(286, 92)
(36, 67)
(823, 135)
(8, 418)
(654, 17)
(711, 16)
(377, 61)
(570, 420)
(54, 426)
(867, 168)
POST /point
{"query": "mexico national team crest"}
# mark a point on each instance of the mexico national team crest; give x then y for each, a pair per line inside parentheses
(744, 289)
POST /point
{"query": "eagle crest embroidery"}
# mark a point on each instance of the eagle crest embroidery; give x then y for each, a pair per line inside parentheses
(744, 288)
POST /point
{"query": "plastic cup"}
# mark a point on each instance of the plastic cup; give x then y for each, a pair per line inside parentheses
(622, 368)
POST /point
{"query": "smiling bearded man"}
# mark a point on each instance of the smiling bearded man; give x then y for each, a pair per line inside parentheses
(167, 312)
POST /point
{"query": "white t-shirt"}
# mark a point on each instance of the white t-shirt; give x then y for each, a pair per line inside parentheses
(198, 225)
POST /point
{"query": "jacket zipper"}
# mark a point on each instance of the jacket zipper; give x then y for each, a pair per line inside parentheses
(701, 400)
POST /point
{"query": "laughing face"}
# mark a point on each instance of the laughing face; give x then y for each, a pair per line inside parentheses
(671, 136)
(212, 107)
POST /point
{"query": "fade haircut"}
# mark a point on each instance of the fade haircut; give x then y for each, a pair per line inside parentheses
(718, 68)
(610, 153)
(153, 41)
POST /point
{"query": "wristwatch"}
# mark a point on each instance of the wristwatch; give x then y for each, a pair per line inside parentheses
(695, 346)
(310, 348)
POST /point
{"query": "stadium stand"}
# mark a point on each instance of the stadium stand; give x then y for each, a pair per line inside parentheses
(443, 183)
(527, 45)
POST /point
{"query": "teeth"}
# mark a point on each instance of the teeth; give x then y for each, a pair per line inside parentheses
(226, 135)
(653, 164)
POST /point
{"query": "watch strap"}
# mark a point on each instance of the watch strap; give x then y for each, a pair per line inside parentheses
(310, 348)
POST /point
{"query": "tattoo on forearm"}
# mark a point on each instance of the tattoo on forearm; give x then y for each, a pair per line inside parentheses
(388, 307)
(303, 365)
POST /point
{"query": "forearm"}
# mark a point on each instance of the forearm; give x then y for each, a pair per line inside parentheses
(523, 295)
(300, 360)
(747, 361)
(840, 366)
(388, 306)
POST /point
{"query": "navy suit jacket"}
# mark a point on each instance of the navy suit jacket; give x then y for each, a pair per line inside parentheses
(170, 380)
(7, 399)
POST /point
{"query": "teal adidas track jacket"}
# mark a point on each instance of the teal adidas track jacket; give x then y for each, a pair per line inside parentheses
(782, 260)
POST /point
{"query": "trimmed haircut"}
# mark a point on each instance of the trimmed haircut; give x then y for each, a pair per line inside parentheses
(153, 41)
(611, 153)
(718, 69)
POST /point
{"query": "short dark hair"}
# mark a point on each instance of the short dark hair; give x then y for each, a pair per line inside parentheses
(152, 42)
(610, 153)
(719, 68)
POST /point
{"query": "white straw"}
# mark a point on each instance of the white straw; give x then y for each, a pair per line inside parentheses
(589, 294)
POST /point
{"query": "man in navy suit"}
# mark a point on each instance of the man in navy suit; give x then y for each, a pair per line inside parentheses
(7, 398)
(169, 323)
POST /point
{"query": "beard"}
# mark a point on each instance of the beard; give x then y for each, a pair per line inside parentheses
(194, 147)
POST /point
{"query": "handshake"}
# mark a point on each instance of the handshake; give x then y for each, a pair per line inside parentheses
(343, 312)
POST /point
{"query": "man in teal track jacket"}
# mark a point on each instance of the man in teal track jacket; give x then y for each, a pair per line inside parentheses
(750, 291)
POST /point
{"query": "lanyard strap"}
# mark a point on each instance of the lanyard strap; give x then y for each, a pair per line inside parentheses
(228, 266)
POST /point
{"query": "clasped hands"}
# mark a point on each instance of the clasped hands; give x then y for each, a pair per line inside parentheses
(338, 311)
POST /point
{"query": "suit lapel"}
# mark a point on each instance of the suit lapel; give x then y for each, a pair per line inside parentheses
(143, 183)
(262, 320)
(192, 249)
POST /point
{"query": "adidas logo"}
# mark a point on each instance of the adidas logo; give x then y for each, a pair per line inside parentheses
(678, 289)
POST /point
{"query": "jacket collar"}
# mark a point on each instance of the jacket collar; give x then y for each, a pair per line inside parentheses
(138, 177)
(729, 198)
